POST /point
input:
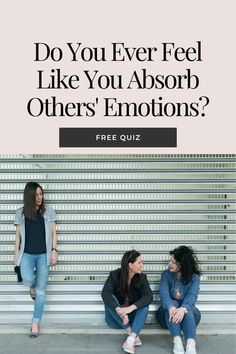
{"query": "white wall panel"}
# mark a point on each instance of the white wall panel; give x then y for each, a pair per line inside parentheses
(108, 204)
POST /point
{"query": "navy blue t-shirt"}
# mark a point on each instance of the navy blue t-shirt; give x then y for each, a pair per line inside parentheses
(35, 235)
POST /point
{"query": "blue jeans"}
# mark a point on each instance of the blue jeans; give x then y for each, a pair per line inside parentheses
(187, 326)
(137, 319)
(36, 279)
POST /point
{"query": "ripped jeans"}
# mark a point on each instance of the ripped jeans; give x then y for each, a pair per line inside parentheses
(34, 272)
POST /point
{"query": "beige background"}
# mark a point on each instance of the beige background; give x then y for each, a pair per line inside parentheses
(136, 23)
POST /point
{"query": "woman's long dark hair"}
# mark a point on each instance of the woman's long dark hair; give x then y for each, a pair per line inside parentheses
(128, 257)
(187, 261)
(30, 211)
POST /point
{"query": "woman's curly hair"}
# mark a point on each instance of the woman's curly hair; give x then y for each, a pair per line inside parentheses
(187, 262)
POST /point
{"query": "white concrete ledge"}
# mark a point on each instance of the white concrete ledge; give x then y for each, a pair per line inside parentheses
(205, 329)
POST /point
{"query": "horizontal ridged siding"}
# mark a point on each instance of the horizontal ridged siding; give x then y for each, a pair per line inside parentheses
(108, 204)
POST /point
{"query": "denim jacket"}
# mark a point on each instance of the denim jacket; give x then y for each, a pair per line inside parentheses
(49, 217)
(170, 284)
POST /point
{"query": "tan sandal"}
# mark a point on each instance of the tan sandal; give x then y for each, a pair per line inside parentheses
(34, 334)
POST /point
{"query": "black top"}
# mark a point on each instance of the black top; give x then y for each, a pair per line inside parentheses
(35, 235)
(140, 296)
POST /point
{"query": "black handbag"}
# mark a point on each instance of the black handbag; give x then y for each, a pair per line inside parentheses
(17, 271)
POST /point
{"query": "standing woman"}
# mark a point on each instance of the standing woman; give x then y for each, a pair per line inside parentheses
(127, 295)
(35, 247)
(179, 288)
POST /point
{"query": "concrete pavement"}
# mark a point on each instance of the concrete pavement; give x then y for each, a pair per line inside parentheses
(68, 340)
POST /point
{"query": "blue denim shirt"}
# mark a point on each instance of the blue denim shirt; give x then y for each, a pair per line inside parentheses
(49, 217)
(170, 284)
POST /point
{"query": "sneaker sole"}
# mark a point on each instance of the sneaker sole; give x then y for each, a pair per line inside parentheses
(128, 351)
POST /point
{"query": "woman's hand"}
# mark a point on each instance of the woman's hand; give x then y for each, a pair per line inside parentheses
(125, 319)
(54, 256)
(126, 310)
(15, 258)
(122, 315)
(172, 311)
(178, 315)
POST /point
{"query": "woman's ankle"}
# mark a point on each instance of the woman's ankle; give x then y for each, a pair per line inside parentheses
(129, 330)
(177, 339)
(35, 326)
(191, 342)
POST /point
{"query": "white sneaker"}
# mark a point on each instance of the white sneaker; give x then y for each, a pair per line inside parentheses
(190, 349)
(178, 347)
(137, 342)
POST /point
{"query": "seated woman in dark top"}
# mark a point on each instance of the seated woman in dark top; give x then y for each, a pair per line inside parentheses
(127, 295)
(179, 289)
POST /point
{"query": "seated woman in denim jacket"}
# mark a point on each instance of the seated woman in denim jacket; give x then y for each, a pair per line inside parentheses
(179, 289)
(127, 295)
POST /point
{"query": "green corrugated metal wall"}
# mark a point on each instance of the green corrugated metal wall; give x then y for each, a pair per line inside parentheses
(108, 204)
